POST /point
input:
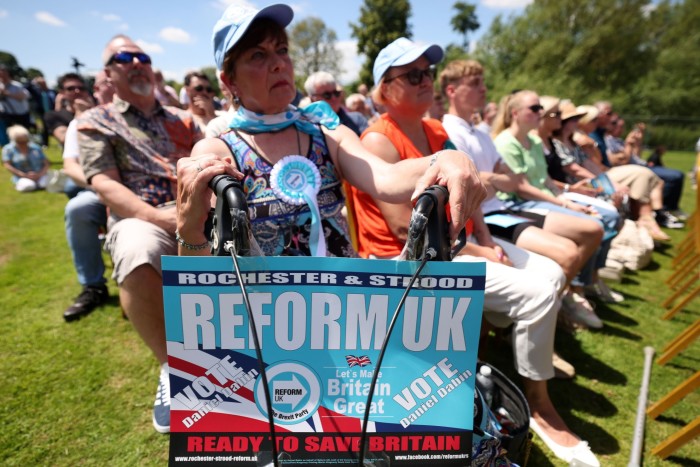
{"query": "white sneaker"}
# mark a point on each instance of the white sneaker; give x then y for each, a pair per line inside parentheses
(604, 293)
(161, 406)
(579, 310)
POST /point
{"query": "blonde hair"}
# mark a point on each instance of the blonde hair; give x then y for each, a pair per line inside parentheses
(458, 69)
(376, 93)
(17, 131)
(504, 117)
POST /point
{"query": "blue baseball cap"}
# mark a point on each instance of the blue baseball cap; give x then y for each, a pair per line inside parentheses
(235, 22)
(401, 52)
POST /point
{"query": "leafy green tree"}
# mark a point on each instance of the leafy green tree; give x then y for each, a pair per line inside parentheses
(33, 73)
(313, 49)
(580, 50)
(464, 21)
(10, 62)
(380, 23)
(672, 86)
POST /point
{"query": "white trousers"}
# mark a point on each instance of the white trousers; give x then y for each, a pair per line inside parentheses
(527, 295)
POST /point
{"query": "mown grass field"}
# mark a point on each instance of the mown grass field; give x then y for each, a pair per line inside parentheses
(81, 393)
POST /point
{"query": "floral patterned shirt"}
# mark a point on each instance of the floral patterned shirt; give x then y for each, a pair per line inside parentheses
(144, 148)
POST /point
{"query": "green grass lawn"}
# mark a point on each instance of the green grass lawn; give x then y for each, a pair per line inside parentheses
(81, 393)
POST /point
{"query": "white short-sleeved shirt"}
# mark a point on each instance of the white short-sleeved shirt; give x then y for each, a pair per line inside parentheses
(71, 150)
(479, 146)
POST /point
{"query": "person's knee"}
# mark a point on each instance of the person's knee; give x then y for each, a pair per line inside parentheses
(140, 278)
(593, 231)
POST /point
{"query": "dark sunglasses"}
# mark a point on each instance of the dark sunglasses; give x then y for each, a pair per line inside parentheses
(537, 108)
(613, 122)
(128, 57)
(75, 88)
(415, 76)
(200, 88)
(328, 94)
(554, 114)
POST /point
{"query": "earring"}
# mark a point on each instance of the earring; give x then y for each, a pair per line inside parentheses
(236, 100)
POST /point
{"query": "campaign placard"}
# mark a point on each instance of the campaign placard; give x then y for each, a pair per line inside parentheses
(321, 323)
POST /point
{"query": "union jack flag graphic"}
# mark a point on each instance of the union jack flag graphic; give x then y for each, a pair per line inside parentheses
(361, 361)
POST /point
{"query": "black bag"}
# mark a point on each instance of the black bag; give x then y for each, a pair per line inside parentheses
(512, 411)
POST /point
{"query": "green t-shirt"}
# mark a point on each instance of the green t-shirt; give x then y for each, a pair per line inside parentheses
(530, 162)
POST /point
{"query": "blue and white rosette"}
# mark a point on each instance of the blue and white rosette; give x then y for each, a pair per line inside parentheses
(296, 180)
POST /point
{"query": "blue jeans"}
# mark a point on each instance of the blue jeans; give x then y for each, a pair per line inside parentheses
(84, 216)
(610, 222)
(673, 186)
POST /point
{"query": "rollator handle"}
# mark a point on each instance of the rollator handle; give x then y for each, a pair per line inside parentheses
(428, 230)
(230, 225)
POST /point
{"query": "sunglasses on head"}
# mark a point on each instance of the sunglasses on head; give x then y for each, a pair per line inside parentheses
(415, 76)
(537, 108)
(328, 94)
(128, 57)
(200, 88)
(75, 88)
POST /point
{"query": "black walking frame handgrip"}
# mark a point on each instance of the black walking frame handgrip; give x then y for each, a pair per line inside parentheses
(230, 235)
(230, 227)
(428, 231)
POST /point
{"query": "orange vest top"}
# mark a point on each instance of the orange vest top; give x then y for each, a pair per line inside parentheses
(373, 234)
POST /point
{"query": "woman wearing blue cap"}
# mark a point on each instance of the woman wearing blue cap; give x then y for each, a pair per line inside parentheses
(521, 288)
(268, 137)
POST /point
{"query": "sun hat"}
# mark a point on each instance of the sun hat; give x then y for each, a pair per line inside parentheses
(589, 113)
(548, 103)
(401, 52)
(569, 110)
(235, 22)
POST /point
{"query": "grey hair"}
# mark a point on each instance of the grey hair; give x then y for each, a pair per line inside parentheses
(15, 131)
(318, 79)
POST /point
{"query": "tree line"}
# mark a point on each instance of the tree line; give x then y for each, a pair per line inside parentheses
(643, 56)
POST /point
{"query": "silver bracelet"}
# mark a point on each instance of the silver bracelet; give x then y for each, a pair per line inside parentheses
(189, 246)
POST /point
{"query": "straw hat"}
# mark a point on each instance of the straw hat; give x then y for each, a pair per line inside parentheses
(589, 113)
(548, 103)
(569, 110)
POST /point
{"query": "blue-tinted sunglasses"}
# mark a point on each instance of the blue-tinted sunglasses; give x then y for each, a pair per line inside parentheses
(128, 57)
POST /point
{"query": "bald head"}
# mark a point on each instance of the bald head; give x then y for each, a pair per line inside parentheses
(115, 44)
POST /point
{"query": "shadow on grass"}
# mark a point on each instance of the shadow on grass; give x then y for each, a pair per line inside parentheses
(538, 457)
(663, 249)
(569, 396)
(610, 330)
(653, 265)
(679, 422)
(605, 312)
(684, 461)
(626, 280)
(587, 365)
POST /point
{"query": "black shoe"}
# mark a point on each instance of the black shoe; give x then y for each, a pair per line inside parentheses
(668, 220)
(90, 298)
